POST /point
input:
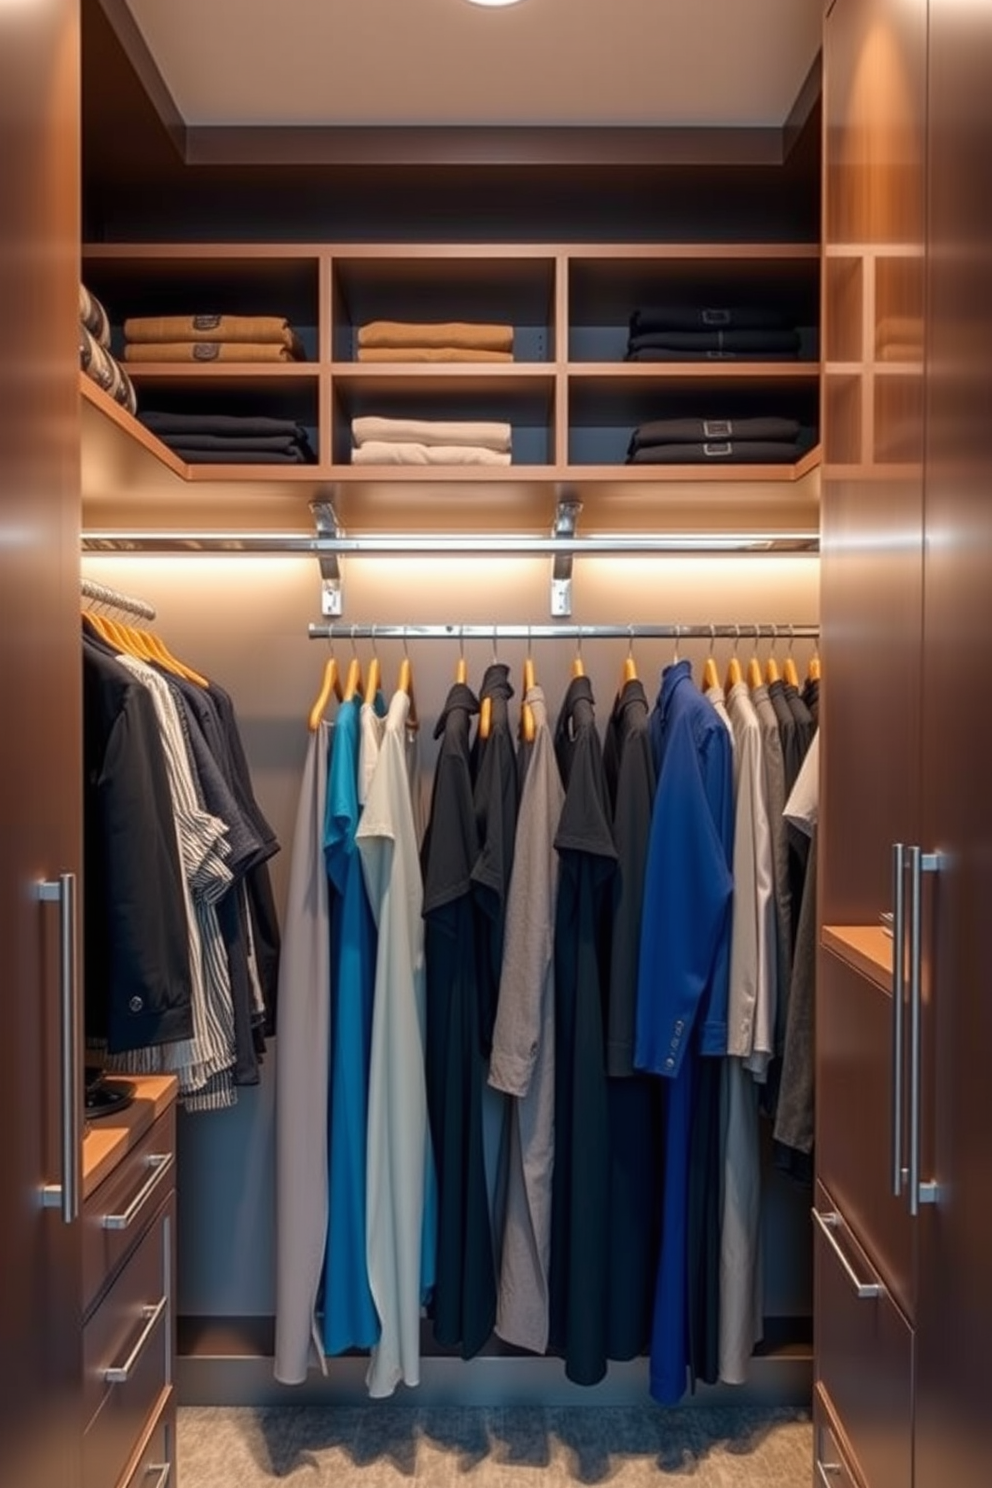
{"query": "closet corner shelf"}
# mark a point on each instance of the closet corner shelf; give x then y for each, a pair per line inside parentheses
(866, 948)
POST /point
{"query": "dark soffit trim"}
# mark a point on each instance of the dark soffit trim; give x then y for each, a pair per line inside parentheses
(453, 145)
(137, 51)
(802, 109)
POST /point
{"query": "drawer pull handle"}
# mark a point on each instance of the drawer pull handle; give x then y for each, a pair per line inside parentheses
(164, 1470)
(119, 1374)
(159, 1164)
(826, 1471)
(829, 1223)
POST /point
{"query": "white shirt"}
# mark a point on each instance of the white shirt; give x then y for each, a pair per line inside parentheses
(401, 1201)
(802, 807)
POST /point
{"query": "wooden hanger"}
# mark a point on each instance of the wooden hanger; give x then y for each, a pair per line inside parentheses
(734, 674)
(374, 677)
(527, 725)
(711, 677)
(330, 682)
(160, 652)
(789, 673)
(629, 673)
(405, 684)
(813, 669)
(578, 666)
(486, 708)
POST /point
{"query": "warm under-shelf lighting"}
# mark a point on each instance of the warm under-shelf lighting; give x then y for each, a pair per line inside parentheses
(494, 2)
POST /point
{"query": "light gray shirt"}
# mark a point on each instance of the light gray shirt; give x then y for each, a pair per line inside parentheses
(522, 1062)
(753, 970)
(773, 762)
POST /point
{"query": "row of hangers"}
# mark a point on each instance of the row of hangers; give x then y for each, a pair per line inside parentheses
(144, 645)
(331, 683)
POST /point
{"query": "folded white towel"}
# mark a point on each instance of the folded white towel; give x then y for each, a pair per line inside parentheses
(388, 452)
(491, 436)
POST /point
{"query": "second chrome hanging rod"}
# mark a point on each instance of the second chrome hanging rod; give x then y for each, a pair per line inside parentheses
(673, 631)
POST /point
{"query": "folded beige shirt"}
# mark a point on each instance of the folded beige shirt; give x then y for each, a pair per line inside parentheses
(209, 328)
(207, 351)
(383, 452)
(443, 333)
(430, 354)
(481, 435)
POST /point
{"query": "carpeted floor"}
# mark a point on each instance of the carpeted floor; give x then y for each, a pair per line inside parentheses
(385, 1446)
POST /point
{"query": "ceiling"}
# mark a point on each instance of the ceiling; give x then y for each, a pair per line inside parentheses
(552, 63)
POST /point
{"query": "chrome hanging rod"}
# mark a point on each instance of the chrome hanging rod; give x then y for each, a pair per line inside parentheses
(563, 632)
(247, 543)
(126, 603)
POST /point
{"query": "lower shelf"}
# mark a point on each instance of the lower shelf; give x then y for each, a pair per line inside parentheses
(229, 1361)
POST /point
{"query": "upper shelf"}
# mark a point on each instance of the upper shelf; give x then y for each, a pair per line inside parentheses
(571, 398)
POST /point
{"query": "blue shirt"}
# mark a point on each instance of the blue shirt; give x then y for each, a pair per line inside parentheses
(683, 974)
(684, 970)
(350, 1319)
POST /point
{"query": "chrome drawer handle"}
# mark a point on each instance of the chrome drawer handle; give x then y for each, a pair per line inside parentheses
(829, 1223)
(826, 1471)
(164, 1470)
(119, 1374)
(160, 1163)
(65, 1195)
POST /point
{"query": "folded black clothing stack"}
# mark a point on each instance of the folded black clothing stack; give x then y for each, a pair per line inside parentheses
(95, 356)
(698, 441)
(682, 333)
(230, 439)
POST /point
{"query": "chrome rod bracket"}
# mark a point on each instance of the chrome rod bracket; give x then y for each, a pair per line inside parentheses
(929, 1192)
(326, 525)
(567, 509)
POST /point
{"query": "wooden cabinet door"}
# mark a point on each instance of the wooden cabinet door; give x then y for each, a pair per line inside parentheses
(954, 1382)
(872, 404)
(40, 811)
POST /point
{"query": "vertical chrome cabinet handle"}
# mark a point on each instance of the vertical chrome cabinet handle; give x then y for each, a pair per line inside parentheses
(164, 1470)
(919, 863)
(65, 1195)
(828, 1470)
(898, 995)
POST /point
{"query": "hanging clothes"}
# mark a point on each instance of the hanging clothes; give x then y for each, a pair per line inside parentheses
(523, 1052)
(682, 1012)
(580, 1189)
(401, 1220)
(350, 1319)
(751, 1044)
(302, 1075)
(794, 1120)
(495, 797)
(634, 1201)
(138, 981)
(464, 1303)
(773, 769)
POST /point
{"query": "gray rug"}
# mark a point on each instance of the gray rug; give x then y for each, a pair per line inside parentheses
(385, 1446)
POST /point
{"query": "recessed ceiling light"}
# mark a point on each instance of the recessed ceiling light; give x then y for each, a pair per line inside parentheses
(494, 2)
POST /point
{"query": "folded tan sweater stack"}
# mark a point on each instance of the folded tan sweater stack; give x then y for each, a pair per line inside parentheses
(385, 441)
(445, 341)
(211, 338)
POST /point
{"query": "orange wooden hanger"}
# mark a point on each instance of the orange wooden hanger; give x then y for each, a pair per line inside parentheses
(578, 666)
(330, 683)
(711, 677)
(461, 670)
(734, 674)
(405, 684)
(813, 669)
(789, 664)
(374, 677)
(754, 678)
(527, 725)
(629, 673)
(486, 709)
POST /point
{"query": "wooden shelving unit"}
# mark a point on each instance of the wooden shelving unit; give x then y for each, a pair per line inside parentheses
(570, 396)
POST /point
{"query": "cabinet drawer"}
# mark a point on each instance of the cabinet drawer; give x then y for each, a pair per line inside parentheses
(864, 1355)
(127, 1354)
(156, 1465)
(854, 1119)
(115, 1215)
(831, 1468)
